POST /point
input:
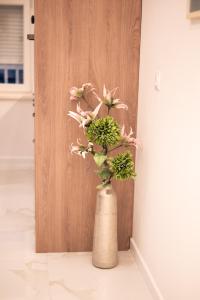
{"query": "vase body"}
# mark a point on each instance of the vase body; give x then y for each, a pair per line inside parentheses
(105, 246)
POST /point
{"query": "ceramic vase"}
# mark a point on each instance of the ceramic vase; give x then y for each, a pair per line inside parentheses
(105, 246)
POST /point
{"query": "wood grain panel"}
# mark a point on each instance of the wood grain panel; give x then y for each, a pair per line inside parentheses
(75, 42)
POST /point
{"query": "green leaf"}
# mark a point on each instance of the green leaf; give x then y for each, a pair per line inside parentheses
(99, 158)
(104, 173)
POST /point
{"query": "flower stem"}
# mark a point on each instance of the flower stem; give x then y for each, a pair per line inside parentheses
(120, 145)
(105, 150)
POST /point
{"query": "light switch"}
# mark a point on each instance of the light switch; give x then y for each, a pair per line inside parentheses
(157, 81)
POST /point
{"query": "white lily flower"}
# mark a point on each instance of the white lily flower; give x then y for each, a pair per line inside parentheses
(128, 139)
(109, 100)
(84, 117)
(80, 149)
(88, 87)
(78, 93)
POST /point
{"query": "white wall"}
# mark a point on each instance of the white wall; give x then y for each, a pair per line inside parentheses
(16, 129)
(16, 121)
(167, 196)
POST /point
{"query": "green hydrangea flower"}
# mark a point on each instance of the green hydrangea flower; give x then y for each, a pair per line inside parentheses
(122, 166)
(104, 131)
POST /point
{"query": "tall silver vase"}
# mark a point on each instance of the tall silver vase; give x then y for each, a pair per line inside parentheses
(105, 247)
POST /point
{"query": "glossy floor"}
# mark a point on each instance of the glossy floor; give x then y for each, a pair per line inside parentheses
(56, 276)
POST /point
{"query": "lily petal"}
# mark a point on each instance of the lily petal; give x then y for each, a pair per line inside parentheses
(96, 96)
(96, 111)
(121, 105)
(122, 130)
(75, 116)
(104, 91)
(73, 91)
(113, 91)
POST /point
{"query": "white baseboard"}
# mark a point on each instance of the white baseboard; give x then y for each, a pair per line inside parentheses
(16, 163)
(148, 277)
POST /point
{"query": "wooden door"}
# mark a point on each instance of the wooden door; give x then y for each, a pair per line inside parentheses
(78, 41)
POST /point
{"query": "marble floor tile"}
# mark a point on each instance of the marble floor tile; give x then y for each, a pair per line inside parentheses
(24, 278)
(11, 282)
(26, 275)
(72, 276)
(17, 219)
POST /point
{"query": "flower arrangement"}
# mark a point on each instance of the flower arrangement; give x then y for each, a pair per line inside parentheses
(103, 134)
